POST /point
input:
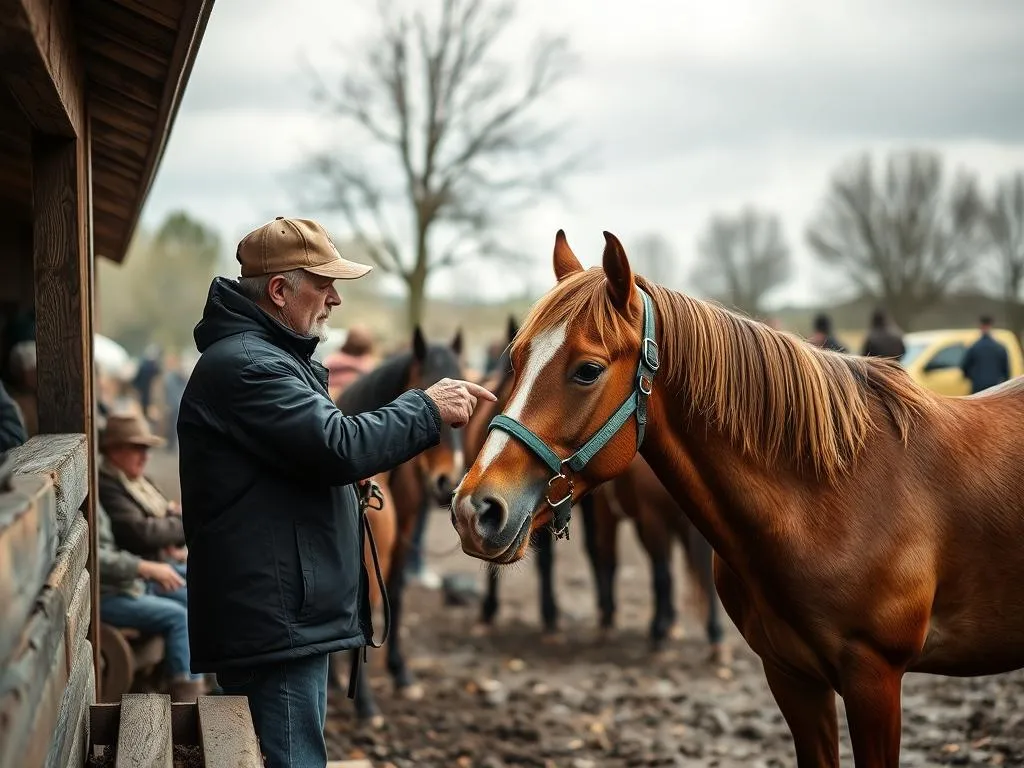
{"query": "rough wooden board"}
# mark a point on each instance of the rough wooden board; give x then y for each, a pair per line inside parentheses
(74, 706)
(104, 717)
(71, 557)
(28, 547)
(64, 458)
(77, 615)
(32, 684)
(144, 736)
(226, 733)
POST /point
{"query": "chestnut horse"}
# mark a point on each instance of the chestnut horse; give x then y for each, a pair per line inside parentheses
(408, 490)
(863, 526)
(637, 495)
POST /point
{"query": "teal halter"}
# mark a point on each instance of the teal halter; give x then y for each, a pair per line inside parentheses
(560, 486)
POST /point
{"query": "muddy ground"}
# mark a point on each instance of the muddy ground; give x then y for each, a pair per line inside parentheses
(511, 699)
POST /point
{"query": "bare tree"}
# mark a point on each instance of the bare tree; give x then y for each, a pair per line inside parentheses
(1004, 224)
(653, 257)
(439, 136)
(899, 238)
(741, 258)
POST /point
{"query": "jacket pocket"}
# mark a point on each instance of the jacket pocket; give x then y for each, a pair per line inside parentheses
(308, 567)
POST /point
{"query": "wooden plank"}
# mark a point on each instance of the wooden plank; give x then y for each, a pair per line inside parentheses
(62, 300)
(144, 734)
(74, 709)
(65, 459)
(103, 720)
(77, 616)
(41, 64)
(123, 50)
(226, 732)
(67, 571)
(77, 752)
(32, 684)
(28, 547)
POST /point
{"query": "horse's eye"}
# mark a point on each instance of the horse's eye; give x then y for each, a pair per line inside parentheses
(587, 373)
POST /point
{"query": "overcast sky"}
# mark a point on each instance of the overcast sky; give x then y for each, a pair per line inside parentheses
(692, 108)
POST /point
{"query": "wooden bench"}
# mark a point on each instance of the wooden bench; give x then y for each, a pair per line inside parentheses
(125, 653)
(146, 729)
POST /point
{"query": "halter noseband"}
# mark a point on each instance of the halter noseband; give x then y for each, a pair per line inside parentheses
(560, 486)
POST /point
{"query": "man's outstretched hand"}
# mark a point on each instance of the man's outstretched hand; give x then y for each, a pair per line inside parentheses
(456, 400)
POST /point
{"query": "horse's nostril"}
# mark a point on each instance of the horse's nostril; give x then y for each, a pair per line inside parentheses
(490, 517)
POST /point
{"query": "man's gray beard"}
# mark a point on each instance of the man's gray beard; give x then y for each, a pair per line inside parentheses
(320, 331)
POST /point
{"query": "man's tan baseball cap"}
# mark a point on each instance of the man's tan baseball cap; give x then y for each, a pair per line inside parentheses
(285, 244)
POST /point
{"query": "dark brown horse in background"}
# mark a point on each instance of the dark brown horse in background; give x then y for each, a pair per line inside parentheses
(637, 495)
(409, 490)
(863, 526)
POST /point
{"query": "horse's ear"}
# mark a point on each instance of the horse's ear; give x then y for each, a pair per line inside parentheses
(457, 342)
(618, 272)
(513, 329)
(419, 344)
(566, 262)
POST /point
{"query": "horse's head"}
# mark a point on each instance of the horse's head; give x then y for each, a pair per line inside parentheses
(444, 464)
(582, 375)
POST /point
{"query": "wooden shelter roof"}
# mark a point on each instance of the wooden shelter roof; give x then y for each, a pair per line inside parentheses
(135, 57)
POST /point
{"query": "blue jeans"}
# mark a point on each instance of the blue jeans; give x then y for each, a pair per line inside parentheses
(156, 614)
(288, 702)
(179, 595)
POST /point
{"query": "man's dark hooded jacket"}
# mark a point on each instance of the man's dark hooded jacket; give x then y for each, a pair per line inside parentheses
(268, 466)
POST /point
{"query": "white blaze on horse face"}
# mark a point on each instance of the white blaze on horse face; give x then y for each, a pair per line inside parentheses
(542, 351)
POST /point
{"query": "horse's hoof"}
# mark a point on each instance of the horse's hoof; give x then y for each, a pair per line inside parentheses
(721, 655)
(412, 692)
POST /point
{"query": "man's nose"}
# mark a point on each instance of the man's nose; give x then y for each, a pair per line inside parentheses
(333, 297)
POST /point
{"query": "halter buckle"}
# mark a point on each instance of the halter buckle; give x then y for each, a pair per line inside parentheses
(567, 497)
(649, 351)
(644, 384)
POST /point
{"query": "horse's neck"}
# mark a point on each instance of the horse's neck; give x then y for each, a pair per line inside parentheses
(725, 495)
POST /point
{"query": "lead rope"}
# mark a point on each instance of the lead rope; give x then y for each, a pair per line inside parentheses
(368, 493)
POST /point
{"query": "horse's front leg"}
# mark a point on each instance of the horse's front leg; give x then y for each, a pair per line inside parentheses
(544, 541)
(871, 688)
(809, 708)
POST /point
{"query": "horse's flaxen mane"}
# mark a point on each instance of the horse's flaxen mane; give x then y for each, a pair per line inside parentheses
(772, 393)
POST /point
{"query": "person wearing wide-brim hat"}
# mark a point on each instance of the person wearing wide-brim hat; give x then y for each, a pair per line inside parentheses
(144, 521)
(138, 587)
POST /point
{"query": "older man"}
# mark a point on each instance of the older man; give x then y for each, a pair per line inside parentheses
(269, 472)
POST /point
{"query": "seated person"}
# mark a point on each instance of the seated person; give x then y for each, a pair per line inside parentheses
(143, 520)
(148, 596)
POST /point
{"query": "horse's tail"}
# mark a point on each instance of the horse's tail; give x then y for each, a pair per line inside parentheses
(699, 558)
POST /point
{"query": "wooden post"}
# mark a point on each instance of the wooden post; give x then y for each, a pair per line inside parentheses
(62, 255)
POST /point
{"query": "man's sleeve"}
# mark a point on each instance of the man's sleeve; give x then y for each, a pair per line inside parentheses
(299, 430)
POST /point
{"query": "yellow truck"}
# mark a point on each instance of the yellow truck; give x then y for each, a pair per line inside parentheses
(933, 357)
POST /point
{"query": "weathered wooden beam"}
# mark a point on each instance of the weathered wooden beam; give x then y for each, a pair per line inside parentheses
(78, 615)
(226, 732)
(62, 255)
(32, 684)
(65, 460)
(41, 64)
(67, 748)
(28, 547)
(144, 735)
(62, 295)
